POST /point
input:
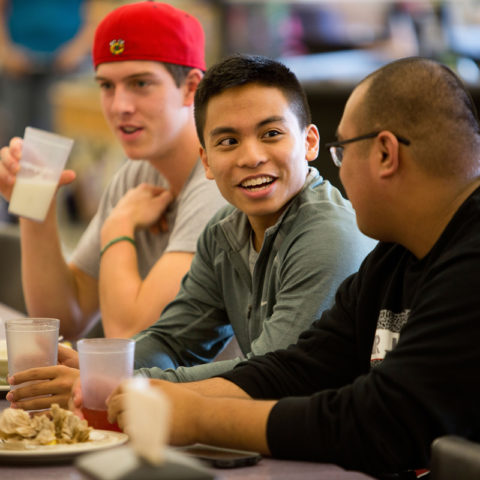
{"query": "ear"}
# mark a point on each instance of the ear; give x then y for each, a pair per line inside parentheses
(312, 143)
(386, 154)
(190, 86)
(206, 166)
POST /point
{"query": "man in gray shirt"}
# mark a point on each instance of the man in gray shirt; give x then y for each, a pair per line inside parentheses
(270, 263)
(148, 59)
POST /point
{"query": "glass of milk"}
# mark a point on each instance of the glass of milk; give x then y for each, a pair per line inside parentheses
(44, 155)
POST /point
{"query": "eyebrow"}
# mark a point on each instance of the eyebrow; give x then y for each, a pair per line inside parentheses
(222, 130)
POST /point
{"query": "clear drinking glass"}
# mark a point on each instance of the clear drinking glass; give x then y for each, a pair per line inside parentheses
(31, 342)
(104, 363)
(44, 155)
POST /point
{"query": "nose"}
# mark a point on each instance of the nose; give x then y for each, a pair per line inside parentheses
(122, 102)
(251, 154)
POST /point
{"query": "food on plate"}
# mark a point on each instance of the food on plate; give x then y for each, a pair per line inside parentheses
(55, 426)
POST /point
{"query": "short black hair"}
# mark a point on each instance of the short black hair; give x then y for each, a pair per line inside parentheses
(424, 101)
(239, 70)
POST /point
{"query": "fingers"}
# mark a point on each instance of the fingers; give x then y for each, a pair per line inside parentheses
(140, 207)
(67, 356)
(55, 382)
(163, 224)
(33, 374)
(9, 166)
(162, 200)
(67, 176)
(75, 401)
(40, 402)
(38, 395)
(153, 190)
(120, 419)
(116, 405)
(11, 154)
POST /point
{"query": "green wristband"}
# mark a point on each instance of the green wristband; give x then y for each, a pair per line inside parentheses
(123, 238)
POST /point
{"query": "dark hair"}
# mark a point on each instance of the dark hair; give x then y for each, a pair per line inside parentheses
(239, 70)
(424, 101)
(178, 72)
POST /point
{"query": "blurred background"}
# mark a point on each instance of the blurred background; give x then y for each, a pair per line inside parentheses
(330, 45)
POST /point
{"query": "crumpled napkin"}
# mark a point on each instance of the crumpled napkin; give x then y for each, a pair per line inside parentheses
(147, 419)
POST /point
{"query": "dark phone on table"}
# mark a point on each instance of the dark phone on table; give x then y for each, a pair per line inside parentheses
(222, 457)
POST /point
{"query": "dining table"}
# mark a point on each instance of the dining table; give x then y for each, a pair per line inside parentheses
(265, 469)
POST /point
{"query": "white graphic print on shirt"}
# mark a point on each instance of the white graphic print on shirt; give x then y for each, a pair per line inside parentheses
(387, 334)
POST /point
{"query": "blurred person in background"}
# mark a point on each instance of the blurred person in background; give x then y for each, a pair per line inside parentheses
(40, 41)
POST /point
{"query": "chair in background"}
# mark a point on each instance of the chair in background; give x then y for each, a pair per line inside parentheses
(11, 291)
(455, 457)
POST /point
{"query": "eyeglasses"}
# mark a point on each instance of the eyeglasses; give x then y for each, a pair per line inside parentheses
(336, 148)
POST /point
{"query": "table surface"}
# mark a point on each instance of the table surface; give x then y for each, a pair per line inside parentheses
(266, 469)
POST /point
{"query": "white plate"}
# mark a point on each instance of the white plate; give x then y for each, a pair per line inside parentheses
(99, 439)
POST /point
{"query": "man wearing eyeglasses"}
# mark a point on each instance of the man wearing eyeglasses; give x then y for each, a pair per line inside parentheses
(395, 362)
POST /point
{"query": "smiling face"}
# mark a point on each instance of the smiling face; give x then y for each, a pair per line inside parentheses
(143, 106)
(256, 151)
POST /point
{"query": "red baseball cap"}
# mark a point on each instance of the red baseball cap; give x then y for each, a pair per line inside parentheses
(150, 31)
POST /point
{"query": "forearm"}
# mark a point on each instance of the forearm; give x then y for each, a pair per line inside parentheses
(217, 387)
(119, 286)
(233, 423)
(49, 285)
(216, 412)
(130, 304)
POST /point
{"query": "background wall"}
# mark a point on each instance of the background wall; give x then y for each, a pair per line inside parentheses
(330, 45)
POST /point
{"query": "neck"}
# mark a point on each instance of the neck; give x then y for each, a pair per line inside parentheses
(177, 163)
(259, 227)
(437, 208)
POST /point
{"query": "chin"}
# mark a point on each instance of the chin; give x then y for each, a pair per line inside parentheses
(134, 153)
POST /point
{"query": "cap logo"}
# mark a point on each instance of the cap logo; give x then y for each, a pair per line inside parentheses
(117, 47)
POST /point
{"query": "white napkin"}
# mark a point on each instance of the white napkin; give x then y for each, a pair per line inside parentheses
(147, 419)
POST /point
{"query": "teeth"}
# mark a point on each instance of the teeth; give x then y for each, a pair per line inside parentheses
(129, 129)
(253, 182)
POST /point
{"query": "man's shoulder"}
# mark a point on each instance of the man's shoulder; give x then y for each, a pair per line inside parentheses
(133, 173)
(321, 216)
(320, 201)
(322, 191)
(198, 186)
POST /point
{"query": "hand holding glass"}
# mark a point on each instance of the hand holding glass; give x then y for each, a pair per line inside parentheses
(44, 155)
(104, 363)
(31, 343)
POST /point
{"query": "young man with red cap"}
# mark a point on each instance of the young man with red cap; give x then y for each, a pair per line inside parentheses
(149, 59)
